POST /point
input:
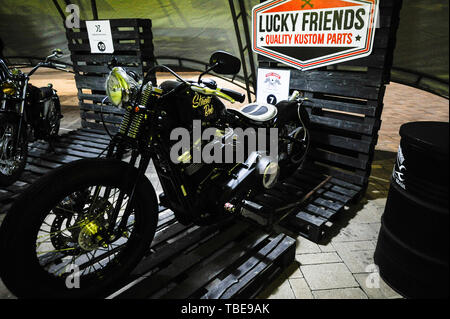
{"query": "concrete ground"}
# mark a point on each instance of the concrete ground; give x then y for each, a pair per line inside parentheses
(342, 266)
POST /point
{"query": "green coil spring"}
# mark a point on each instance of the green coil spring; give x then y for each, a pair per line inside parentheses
(131, 121)
(125, 122)
(135, 125)
(146, 94)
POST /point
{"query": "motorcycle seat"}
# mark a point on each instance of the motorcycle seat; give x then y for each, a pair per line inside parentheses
(45, 93)
(258, 112)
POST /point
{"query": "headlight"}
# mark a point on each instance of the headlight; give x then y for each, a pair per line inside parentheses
(119, 86)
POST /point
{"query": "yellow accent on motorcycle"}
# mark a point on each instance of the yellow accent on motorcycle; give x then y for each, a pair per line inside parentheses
(183, 190)
(199, 100)
(215, 176)
(92, 228)
(271, 173)
(157, 90)
(224, 96)
(135, 125)
(198, 142)
(220, 133)
(185, 157)
(209, 109)
(208, 91)
(119, 86)
(8, 88)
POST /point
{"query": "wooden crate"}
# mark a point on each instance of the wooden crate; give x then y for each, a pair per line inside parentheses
(345, 103)
(133, 49)
(326, 197)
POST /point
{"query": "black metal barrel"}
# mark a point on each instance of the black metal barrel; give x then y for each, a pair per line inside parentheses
(413, 245)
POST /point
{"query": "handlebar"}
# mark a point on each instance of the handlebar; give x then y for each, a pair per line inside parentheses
(5, 72)
(235, 95)
(59, 66)
(297, 96)
(50, 65)
(4, 69)
(227, 94)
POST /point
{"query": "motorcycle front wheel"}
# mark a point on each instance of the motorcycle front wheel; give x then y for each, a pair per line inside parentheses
(59, 239)
(13, 149)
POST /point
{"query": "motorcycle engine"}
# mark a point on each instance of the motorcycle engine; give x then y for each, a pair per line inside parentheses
(217, 184)
(208, 185)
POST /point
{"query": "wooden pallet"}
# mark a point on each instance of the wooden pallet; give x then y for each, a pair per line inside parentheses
(345, 102)
(323, 198)
(71, 146)
(133, 49)
(229, 260)
(315, 217)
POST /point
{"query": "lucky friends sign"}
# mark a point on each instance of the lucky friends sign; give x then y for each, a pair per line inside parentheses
(308, 34)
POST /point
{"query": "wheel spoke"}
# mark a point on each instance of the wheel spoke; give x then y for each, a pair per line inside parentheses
(55, 251)
(64, 231)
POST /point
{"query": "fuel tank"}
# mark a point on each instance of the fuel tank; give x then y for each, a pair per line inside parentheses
(189, 105)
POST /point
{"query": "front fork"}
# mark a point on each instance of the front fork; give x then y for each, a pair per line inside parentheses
(21, 112)
(143, 164)
(117, 150)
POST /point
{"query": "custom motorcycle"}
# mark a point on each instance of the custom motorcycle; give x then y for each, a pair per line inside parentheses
(91, 221)
(27, 113)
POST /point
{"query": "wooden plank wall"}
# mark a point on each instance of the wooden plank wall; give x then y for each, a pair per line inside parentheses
(133, 49)
(346, 101)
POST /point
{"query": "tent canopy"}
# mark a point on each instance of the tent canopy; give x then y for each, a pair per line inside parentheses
(193, 29)
(190, 29)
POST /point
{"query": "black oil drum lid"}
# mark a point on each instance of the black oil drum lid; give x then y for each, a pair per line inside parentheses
(430, 136)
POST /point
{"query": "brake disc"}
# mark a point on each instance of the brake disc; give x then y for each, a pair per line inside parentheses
(83, 228)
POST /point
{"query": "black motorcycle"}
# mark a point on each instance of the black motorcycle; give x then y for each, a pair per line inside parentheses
(91, 221)
(27, 113)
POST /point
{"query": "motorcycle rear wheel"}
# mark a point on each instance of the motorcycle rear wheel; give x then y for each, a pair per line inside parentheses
(294, 150)
(54, 119)
(51, 239)
(12, 163)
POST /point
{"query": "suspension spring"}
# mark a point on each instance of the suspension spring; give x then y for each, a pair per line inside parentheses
(132, 121)
(125, 122)
(135, 125)
(146, 94)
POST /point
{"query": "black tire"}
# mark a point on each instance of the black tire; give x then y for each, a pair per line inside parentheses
(296, 152)
(20, 268)
(12, 121)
